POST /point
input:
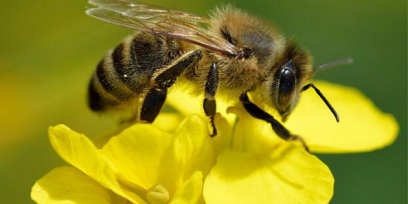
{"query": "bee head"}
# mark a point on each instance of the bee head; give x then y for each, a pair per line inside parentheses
(291, 72)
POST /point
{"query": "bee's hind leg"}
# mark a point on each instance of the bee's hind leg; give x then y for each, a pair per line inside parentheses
(209, 104)
(152, 104)
(162, 80)
(278, 128)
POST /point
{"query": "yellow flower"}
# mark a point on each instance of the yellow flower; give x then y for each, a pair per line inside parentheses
(256, 166)
(140, 165)
(148, 164)
(362, 127)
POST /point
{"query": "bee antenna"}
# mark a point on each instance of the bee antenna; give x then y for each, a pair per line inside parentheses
(348, 60)
(323, 98)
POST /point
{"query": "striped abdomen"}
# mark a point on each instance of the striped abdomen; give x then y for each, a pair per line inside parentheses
(124, 73)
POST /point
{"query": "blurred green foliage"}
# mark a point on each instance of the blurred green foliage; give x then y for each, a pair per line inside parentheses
(49, 49)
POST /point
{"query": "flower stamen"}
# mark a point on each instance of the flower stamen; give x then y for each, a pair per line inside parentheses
(157, 194)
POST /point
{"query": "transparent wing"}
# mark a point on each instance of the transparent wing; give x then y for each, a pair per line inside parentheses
(161, 21)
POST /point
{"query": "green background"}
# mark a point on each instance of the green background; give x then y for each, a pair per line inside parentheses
(48, 50)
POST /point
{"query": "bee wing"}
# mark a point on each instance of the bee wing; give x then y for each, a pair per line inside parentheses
(157, 20)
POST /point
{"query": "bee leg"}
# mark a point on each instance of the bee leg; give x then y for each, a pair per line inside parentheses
(278, 128)
(152, 104)
(165, 78)
(209, 104)
(161, 81)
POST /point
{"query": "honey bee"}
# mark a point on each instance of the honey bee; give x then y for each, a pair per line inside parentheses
(231, 52)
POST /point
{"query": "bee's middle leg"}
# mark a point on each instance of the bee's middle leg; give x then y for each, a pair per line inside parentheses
(162, 80)
(278, 128)
(209, 104)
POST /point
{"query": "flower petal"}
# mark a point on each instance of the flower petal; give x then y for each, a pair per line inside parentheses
(193, 147)
(251, 134)
(80, 152)
(69, 185)
(168, 122)
(136, 154)
(286, 175)
(190, 191)
(144, 156)
(224, 138)
(184, 98)
(362, 126)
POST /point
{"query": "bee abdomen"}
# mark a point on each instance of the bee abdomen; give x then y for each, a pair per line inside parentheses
(107, 90)
(137, 59)
(98, 98)
(110, 80)
(124, 73)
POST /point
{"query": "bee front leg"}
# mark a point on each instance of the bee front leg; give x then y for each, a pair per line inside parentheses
(278, 128)
(209, 104)
(162, 80)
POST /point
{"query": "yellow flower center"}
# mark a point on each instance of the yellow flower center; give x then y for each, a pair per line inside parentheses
(157, 194)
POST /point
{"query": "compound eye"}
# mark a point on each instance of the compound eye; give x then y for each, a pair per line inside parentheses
(287, 86)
